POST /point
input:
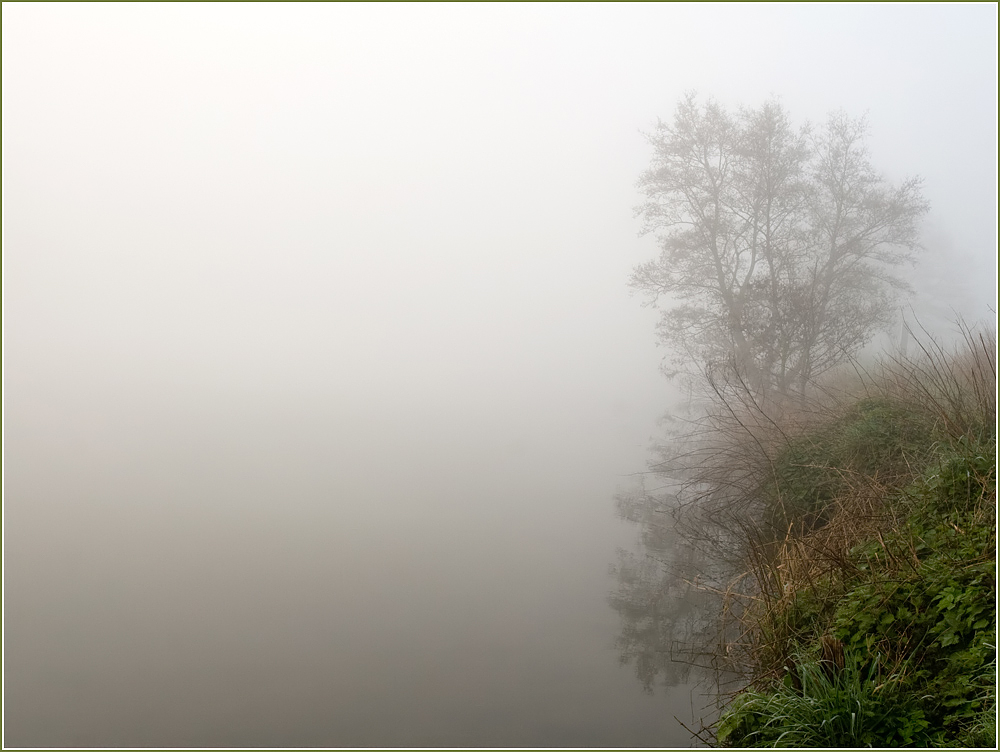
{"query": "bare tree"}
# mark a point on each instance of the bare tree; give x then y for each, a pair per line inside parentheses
(779, 246)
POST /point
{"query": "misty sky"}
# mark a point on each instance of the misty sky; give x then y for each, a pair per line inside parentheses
(421, 202)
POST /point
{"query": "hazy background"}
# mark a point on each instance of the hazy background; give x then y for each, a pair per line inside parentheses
(320, 367)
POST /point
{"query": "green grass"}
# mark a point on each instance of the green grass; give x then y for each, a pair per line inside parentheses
(859, 705)
(878, 533)
(919, 598)
(812, 471)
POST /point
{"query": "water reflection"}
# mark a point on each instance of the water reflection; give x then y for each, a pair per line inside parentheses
(214, 574)
(670, 592)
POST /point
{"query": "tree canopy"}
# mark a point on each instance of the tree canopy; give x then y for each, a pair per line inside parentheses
(779, 246)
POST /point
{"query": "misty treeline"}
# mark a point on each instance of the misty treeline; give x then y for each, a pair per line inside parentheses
(780, 251)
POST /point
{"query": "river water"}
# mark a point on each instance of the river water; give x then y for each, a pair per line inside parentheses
(187, 568)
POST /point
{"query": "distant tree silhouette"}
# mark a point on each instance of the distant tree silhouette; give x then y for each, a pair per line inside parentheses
(780, 247)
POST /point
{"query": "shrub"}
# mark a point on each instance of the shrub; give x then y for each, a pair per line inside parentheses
(812, 471)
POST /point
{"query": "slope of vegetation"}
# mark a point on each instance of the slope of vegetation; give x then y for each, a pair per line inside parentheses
(870, 614)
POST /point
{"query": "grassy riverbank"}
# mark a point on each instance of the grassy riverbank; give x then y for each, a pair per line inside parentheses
(871, 618)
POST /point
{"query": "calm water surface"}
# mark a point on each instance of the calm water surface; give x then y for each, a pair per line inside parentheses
(210, 570)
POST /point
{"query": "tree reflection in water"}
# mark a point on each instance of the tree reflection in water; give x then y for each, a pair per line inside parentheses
(671, 591)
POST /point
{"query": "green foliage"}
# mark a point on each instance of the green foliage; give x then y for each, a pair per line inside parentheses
(920, 598)
(939, 606)
(982, 731)
(857, 706)
(875, 435)
(962, 481)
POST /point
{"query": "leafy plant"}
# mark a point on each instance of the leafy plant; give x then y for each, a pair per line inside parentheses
(813, 470)
(920, 595)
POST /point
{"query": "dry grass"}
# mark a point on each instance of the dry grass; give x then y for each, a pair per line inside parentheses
(734, 460)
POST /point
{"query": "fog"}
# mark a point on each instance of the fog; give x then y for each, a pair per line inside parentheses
(320, 365)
